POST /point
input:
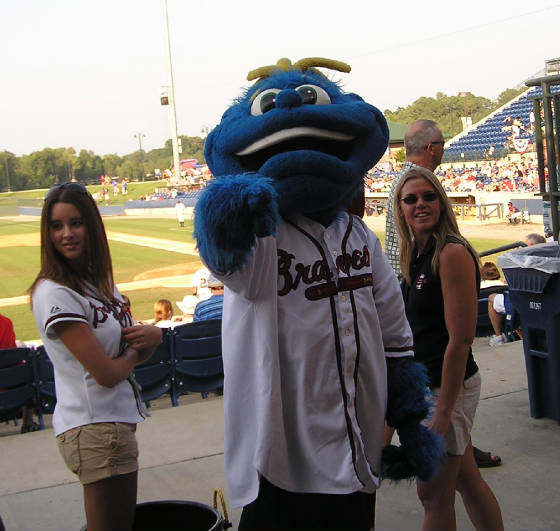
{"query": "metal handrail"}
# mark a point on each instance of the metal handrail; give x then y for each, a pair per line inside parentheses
(502, 248)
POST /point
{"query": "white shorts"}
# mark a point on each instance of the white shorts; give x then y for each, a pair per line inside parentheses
(462, 417)
(499, 303)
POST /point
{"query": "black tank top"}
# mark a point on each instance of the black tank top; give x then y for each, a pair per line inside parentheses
(423, 301)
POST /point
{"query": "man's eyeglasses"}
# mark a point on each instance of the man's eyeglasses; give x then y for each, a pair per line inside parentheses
(427, 197)
(71, 187)
(442, 142)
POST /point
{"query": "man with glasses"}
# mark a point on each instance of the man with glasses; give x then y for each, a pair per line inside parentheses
(423, 143)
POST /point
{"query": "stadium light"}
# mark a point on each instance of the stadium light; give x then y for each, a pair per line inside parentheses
(171, 96)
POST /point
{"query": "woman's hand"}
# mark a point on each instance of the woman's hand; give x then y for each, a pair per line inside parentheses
(142, 336)
(440, 423)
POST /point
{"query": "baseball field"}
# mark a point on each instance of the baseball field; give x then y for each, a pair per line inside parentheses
(154, 258)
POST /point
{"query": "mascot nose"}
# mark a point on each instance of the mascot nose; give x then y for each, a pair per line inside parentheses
(287, 99)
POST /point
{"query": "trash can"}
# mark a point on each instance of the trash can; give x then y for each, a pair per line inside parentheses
(173, 515)
(533, 277)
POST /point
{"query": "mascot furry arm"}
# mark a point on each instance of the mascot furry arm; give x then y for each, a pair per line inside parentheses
(294, 143)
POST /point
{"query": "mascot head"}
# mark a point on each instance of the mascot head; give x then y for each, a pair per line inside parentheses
(299, 129)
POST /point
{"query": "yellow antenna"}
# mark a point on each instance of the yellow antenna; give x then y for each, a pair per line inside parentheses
(309, 63)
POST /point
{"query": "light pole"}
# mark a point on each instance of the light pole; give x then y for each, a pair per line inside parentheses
(174, 142)
(139, 135)
(7, 170)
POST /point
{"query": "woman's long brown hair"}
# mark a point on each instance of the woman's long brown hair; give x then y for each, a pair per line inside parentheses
(98, 270)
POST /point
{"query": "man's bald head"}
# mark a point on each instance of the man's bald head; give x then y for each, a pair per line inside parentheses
(423, 143)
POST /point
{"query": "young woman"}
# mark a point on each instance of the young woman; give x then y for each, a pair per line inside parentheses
(88, 332)
(441, 278)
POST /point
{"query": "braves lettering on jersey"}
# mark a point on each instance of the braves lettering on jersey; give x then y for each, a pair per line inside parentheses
(80, 399)
(282, 360)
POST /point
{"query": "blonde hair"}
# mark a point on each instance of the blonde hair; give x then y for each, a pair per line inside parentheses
(446, 227)
(163, 310)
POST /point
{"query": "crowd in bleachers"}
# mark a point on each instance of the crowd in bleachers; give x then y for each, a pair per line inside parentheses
(511, 129)
(488, 176)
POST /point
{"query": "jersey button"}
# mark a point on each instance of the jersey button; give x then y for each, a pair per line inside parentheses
(347, 331)
(343, 298)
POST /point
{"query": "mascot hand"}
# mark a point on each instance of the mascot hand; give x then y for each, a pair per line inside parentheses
(421, 449)
(231, 212)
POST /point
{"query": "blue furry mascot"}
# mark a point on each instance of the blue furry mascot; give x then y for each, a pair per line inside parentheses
(316, 347)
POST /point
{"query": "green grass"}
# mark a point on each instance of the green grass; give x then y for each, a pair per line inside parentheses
(18, 268)
(18, 227)
(19, 265)
(135, 191)
(154, 227)
(130, 260)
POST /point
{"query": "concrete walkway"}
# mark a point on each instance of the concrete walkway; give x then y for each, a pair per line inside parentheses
(181, 458)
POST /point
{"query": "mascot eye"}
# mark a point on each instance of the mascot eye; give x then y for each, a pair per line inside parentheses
(264, 102)
(313, 95)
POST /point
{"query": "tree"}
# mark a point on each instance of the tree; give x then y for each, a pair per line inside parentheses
(508, 95)
(111, 163)
(445, 110)
(88, 166)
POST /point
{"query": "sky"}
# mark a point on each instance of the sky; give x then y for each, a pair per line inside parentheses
(87, 73)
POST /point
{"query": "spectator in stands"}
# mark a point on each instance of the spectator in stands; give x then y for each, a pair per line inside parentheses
(423, 142)
(534, 238)
(88, 333)
(8, 340)
(490, 275)
(496, 302)
(187, 306)
(440, 288)
(163, 314)
(7, 334)
(211, 308)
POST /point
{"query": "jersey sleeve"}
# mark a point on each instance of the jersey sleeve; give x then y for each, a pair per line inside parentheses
(395, 330)
(255, 275)
(54, 303)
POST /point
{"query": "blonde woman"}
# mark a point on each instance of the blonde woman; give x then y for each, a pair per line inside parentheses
(163, 314)
(440, 287)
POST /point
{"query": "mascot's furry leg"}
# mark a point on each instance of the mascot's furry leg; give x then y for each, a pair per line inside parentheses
(421, 449)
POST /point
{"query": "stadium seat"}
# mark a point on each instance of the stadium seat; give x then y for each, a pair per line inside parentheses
(197, 352)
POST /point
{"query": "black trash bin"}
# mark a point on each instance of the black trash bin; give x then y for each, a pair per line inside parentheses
(171, 515)
(533, 276)
(175, 515)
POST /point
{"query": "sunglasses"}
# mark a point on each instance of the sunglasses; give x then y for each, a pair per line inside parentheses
(71, 187)
(427, 197)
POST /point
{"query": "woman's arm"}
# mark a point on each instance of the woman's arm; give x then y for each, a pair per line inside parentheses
(458, 284)
(144, 338)
(79, 339)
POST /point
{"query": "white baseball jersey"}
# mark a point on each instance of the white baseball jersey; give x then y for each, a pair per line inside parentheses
(307, 325)
(80, 399)
(200, 282)
(180, 211)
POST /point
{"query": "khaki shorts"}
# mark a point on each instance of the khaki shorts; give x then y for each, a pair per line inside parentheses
(462, 417)
(99, 451)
